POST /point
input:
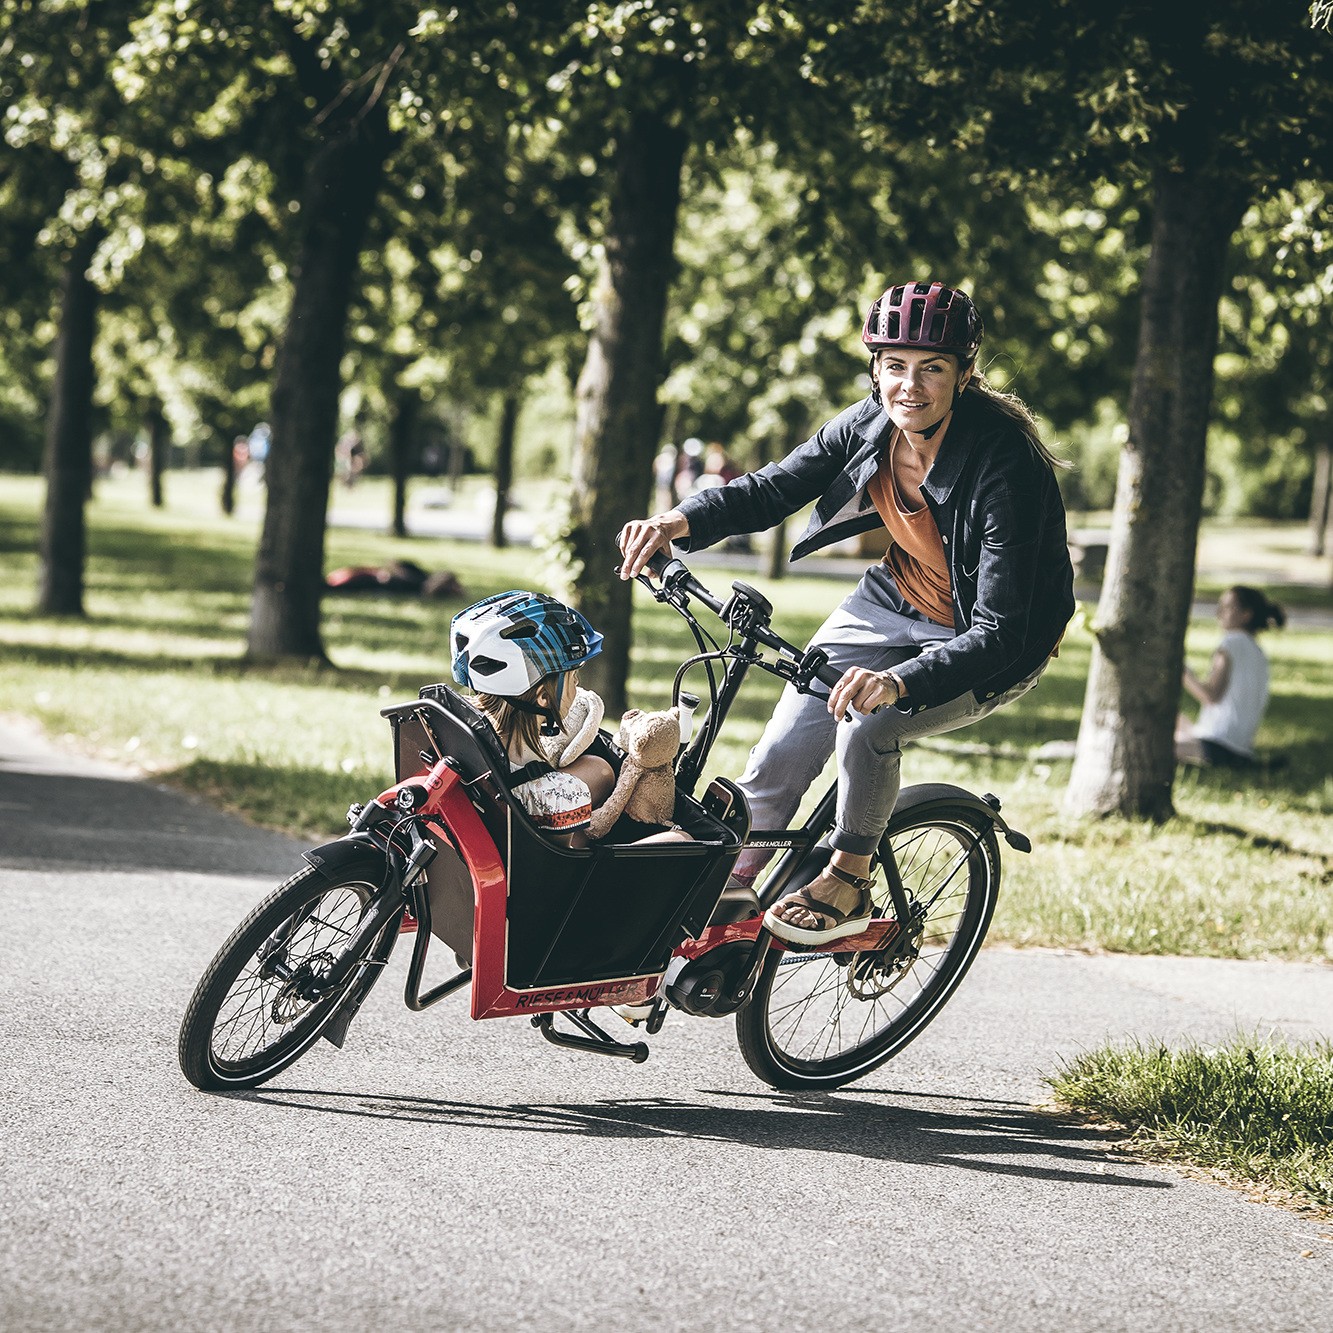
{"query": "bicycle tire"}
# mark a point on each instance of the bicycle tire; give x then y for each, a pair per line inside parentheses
(791, 1033)
(242, 1027)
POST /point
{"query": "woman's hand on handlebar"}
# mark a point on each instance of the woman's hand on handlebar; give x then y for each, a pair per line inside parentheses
(863, 691)
(642, 538)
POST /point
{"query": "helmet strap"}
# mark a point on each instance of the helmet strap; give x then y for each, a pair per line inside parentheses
(550, 712)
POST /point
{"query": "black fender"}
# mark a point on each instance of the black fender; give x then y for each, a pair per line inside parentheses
(928, 796)
(356, 852)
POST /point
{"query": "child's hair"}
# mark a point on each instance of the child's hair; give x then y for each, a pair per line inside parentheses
(1260, 612)
(516, 724)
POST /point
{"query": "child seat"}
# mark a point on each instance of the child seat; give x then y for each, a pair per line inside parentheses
(574, 916)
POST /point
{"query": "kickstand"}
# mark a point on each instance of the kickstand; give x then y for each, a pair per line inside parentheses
(596, 1041)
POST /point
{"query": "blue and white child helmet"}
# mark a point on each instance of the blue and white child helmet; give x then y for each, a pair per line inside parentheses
(505, 644)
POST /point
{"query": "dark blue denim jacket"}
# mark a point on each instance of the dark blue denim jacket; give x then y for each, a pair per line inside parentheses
(996, 503)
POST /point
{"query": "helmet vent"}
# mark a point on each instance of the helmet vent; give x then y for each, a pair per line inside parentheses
(484, 666)
(525, 629)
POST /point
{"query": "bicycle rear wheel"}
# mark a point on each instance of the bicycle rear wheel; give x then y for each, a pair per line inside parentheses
(819, 1020)
(256, 1009)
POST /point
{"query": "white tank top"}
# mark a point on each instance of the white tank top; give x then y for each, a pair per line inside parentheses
(1234, 718)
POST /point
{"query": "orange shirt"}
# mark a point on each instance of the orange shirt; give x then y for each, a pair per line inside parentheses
(916, 558)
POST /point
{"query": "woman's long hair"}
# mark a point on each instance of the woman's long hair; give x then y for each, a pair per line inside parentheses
(1260, 610)
(1014, 410)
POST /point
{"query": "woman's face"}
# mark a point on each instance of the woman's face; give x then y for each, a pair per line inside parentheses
(918, 387)
(1230, 613)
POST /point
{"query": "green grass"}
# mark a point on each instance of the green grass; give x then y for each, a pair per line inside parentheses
(1256, 1110)
(155, 675)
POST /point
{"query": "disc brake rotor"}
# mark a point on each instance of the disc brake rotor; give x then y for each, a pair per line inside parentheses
(295, 997)
(875, 972)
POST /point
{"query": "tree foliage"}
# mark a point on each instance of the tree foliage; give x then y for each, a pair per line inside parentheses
(522, 164)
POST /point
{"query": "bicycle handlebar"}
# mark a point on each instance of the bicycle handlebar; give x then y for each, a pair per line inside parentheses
(675, 576)
(672, 574)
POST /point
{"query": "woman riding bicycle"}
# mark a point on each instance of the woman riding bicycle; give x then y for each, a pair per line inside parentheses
(960, 617)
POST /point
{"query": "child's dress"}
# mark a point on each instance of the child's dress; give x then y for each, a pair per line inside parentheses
(558, 801)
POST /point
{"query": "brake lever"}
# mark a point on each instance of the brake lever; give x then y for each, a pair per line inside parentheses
(812, 662)
(659, 591)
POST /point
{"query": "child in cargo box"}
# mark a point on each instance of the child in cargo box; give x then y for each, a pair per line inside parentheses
(520, 651)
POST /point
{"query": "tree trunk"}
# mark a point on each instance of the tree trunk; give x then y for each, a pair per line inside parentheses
(342, 181)
(617, 414)
(159, 441)
(1125, 760)
(400, 453)
(504, 466)
(68, 461)
(1320, 499)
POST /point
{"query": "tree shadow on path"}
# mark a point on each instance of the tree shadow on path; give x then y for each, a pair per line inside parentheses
(63, 820)
(975, 1134)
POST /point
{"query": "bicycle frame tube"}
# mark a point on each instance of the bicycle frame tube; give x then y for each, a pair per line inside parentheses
(798, 841)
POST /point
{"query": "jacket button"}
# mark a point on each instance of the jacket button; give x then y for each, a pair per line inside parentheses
(991, 695)
(944, 539)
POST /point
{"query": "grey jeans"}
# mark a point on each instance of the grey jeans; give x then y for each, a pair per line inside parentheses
(873, 628)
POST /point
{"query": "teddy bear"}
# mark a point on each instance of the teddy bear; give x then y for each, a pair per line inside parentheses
(646, 787)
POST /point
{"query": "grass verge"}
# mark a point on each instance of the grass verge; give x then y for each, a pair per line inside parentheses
(1256, 1111)
(154, 674)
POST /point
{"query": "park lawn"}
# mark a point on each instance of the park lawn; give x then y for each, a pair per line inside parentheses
(155, 676)
(1259, 1111)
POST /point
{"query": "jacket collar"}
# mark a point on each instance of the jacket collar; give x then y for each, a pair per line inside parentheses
(954, 452)
(871, 422)
(873, 426)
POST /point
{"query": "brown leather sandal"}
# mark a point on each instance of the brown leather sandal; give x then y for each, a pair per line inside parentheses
(843, 924)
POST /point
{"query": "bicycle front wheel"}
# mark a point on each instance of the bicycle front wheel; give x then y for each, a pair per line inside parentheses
(258, 1007)
(819, 1020)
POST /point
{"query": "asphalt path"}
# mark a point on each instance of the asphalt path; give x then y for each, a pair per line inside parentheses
(442, 1174)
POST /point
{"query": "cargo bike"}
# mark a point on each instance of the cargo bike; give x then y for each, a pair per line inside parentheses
(542, 931)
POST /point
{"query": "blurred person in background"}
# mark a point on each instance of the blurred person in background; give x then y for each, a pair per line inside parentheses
(1235, 693)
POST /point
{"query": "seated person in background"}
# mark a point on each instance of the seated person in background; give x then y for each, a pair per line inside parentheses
(520, 652)
(1234, 696)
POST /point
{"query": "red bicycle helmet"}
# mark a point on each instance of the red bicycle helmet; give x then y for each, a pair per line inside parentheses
(925, 315)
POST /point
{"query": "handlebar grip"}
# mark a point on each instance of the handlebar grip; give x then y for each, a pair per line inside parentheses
(829, 675)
